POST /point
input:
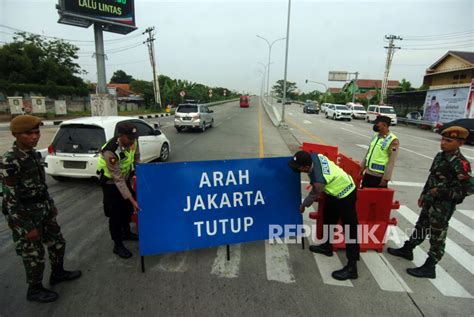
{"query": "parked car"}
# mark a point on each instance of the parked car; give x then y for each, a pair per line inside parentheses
(244, 101)
(338, 112)
(414, 115)
(466, 123)
(377, 110)
(74, 151)
(358, 110)
(310, 107)
(287, 102)
(193, 116)
(278, 100)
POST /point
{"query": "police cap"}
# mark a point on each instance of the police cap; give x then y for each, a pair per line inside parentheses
(24, 123)
(455, 132)
(383, 119)
(128, 129)
(300, 159)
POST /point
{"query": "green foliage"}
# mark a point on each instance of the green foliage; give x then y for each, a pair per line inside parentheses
(406, 85)
(34, 64)
(290, 89)
(121, 77)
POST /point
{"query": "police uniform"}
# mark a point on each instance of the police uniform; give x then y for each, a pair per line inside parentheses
(28, 207)
(340, 202)
(379, 160)
(448, 184)
(116, 166)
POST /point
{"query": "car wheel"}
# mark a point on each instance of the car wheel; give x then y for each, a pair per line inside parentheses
(334, 117)
(179, 129)
(326, 115)
(212, 123)
(203, 127)
(60, 178)
(164, 153)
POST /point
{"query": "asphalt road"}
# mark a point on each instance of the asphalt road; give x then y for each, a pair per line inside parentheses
(260, 279)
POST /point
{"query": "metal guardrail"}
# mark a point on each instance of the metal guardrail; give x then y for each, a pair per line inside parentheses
(215, 103)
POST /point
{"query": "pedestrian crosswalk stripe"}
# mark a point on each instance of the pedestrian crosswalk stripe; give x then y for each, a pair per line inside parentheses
(277, 259)
(445, 284)
(326, 266)
(467, 213)
(224, 268)
(458, 253)
(383, 273)
(461, 228)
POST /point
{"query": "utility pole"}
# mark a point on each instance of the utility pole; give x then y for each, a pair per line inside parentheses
(391, 50)
(354, 86)
(151, 51)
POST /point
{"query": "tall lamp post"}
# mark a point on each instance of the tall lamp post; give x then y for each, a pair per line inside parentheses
(317, 82)
(269, 56)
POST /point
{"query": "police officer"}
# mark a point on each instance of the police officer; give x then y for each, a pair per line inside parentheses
(30, 211)
(327, 177)
(379, 161)
(448, 184)
(116, 166)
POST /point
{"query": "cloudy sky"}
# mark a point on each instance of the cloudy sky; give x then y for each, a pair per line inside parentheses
(215, 43)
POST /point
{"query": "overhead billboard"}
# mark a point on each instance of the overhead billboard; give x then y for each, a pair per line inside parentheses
(338, 76)
(445, 105)
(116, 16)
(190, 205)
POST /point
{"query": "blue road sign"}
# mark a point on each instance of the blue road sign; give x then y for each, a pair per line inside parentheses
(194, 205)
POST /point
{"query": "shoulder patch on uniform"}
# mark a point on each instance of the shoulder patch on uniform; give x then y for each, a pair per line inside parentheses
(112, 160)
(465, 166)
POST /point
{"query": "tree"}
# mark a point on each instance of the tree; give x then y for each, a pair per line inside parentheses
(144, 88)
(406, 85)
(121, 77)
(290, 89)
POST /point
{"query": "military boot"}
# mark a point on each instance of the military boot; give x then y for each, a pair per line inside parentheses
(122, 251)
(325, 249)
(405, 252)
(426, 270)
(347, 272)
(59, 274)
(37, 293)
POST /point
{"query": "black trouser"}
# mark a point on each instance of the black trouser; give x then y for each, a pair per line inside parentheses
(118, 210)
(344, 209)
(372, 181)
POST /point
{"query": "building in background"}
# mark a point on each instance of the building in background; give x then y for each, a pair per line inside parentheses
(454, 69)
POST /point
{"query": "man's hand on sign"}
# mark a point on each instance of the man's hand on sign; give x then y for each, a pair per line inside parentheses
(136, 208)
(302, 208)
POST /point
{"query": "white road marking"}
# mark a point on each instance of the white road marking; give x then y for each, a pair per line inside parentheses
(461, 228)
(277, 259)
(467, 213)
(224, 268)
(172, 262)
(452, 248)
(408, 184)
(445, 284)
(322, 121)
(364, 146)
(385, 275)
(326, 266)
(347, 124)
(307, 122)
(290, 113)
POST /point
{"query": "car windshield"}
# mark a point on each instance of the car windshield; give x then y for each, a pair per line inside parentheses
(79, 138)
(187, 109)
(359, 108)
(341, 108)
(311, 105)
(387, 110)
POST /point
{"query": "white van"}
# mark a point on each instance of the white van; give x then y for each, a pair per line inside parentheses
(376, 110)
(358, 110)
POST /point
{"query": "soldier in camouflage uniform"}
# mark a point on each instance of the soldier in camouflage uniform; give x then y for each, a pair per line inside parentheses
(448, 184)
(30, 211)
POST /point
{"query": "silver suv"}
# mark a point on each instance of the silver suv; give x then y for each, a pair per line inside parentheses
(193, 116)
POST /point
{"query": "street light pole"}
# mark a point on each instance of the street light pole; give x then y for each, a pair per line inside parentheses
(317, 82)
(269, 56)
(286, 64)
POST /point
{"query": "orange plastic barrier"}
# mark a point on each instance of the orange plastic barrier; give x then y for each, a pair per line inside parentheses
(327, 150)
(351, 167)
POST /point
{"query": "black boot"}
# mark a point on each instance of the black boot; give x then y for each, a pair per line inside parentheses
(325, 249)
(405, 252)
(347, 272)
(122, 251)
(426, 270)
(37, 293)
(59, 274)
(129, 236)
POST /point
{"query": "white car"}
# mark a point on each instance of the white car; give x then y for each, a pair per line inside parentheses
(74, 151)
(324, 106)
(338, 112)
(376, 110)
(358, 110)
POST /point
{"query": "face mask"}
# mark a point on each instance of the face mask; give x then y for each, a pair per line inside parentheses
(376, 128)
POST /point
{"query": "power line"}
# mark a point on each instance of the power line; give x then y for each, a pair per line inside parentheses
(440, 48)
(417, 37)
(441, 43)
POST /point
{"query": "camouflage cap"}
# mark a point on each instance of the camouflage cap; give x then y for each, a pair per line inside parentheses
(455, 132)
(24, 123)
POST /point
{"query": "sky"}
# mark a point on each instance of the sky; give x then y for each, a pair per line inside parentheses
(216, 43)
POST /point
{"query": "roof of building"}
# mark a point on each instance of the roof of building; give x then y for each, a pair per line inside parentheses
(376, 83)
(467, 57)
(334, 90)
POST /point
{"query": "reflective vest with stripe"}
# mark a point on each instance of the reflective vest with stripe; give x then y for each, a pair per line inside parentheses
(338, 183)
(125, 157)
(378, 156)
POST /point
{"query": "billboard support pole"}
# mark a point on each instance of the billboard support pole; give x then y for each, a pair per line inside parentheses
(142, 258)
(100, 59)
(228, 252)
